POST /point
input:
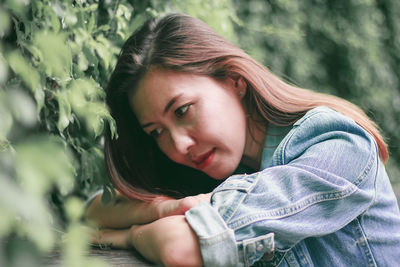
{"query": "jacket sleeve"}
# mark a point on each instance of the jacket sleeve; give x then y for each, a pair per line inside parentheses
(323, 177)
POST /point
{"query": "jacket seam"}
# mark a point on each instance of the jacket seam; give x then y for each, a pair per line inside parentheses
(365, 171)
(304, 259)
(362, 241)
(305, 202)
(293, 132)
(291, 259)
(244, 192)
(371, 159)
(290, 210)
(242, 198)
(216, 238)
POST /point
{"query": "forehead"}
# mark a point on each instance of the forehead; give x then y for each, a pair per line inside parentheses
(158, 83)
(157, 88)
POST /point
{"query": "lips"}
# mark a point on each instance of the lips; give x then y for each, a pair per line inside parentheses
(204, 160)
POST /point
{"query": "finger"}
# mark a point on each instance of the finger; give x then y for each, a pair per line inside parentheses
(180, 206)
(205, 197)
(192, 201)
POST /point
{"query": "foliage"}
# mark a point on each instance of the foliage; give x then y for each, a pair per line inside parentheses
(56, 58)
(346, 48)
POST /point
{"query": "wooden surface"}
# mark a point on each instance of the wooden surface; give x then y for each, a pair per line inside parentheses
(120, 258)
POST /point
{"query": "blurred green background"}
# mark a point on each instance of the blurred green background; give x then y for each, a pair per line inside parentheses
(56, 57)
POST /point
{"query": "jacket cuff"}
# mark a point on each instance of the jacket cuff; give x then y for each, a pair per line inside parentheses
(217, 241)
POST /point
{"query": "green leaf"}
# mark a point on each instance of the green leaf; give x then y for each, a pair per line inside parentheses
(91, 8)
(3, 69)
(54, 21)
(83, 63)
(112, 125)
(91, 56)
(30, 209)
(22, 106)
(70, 17)
(36, 53)
(103, 52)
(4, 22)
(24, 69)
(77, 241)
(92, 21)
(57, 58)
(86, 98)
(124, 12)
(74, 208)
(39, 97)
(6, 222)
(102, 28)
(97, 125)
(19, 7)
(64, 109)
(43, 161)
(6, 122)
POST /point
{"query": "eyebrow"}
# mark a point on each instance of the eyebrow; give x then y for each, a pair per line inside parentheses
(167, 107)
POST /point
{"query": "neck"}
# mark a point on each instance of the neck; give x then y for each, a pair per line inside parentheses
(255, 137)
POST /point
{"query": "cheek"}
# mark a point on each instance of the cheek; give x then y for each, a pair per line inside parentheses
(226, 127)
(237, 132)
(234, 121)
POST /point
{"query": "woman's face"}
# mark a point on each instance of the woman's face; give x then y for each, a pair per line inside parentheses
(196, 121)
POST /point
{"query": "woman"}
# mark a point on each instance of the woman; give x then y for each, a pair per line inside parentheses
(194, 111)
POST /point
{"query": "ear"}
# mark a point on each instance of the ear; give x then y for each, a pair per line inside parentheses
(240, 86)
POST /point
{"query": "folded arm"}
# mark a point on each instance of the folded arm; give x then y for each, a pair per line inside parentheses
(158, 229)
(169, 241)
(127, 212)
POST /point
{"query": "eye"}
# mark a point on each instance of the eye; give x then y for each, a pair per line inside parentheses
(156, 132)
(181, 111)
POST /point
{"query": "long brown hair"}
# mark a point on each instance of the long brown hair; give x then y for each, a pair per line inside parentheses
(177, 42)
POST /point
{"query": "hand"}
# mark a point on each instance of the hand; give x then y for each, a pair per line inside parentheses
(169, 241)
(179, 206)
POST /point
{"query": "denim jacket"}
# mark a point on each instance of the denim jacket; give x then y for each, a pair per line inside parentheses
(321, 198)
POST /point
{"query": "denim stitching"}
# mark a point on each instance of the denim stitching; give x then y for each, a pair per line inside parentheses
(291, 259)
(368, 167)
(299, 206)
(298, 124)
(302, 255)
(371, 157)
(363, 243)
(227, 217)
(214, 239)
(237, 201)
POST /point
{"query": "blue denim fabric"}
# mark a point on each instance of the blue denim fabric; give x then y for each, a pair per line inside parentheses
(321, 198)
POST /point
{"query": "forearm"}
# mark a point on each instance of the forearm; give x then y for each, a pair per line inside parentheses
(169, 241)
(126, 212)
(121, 214)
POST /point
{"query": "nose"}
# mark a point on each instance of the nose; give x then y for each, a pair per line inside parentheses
(182, 141)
